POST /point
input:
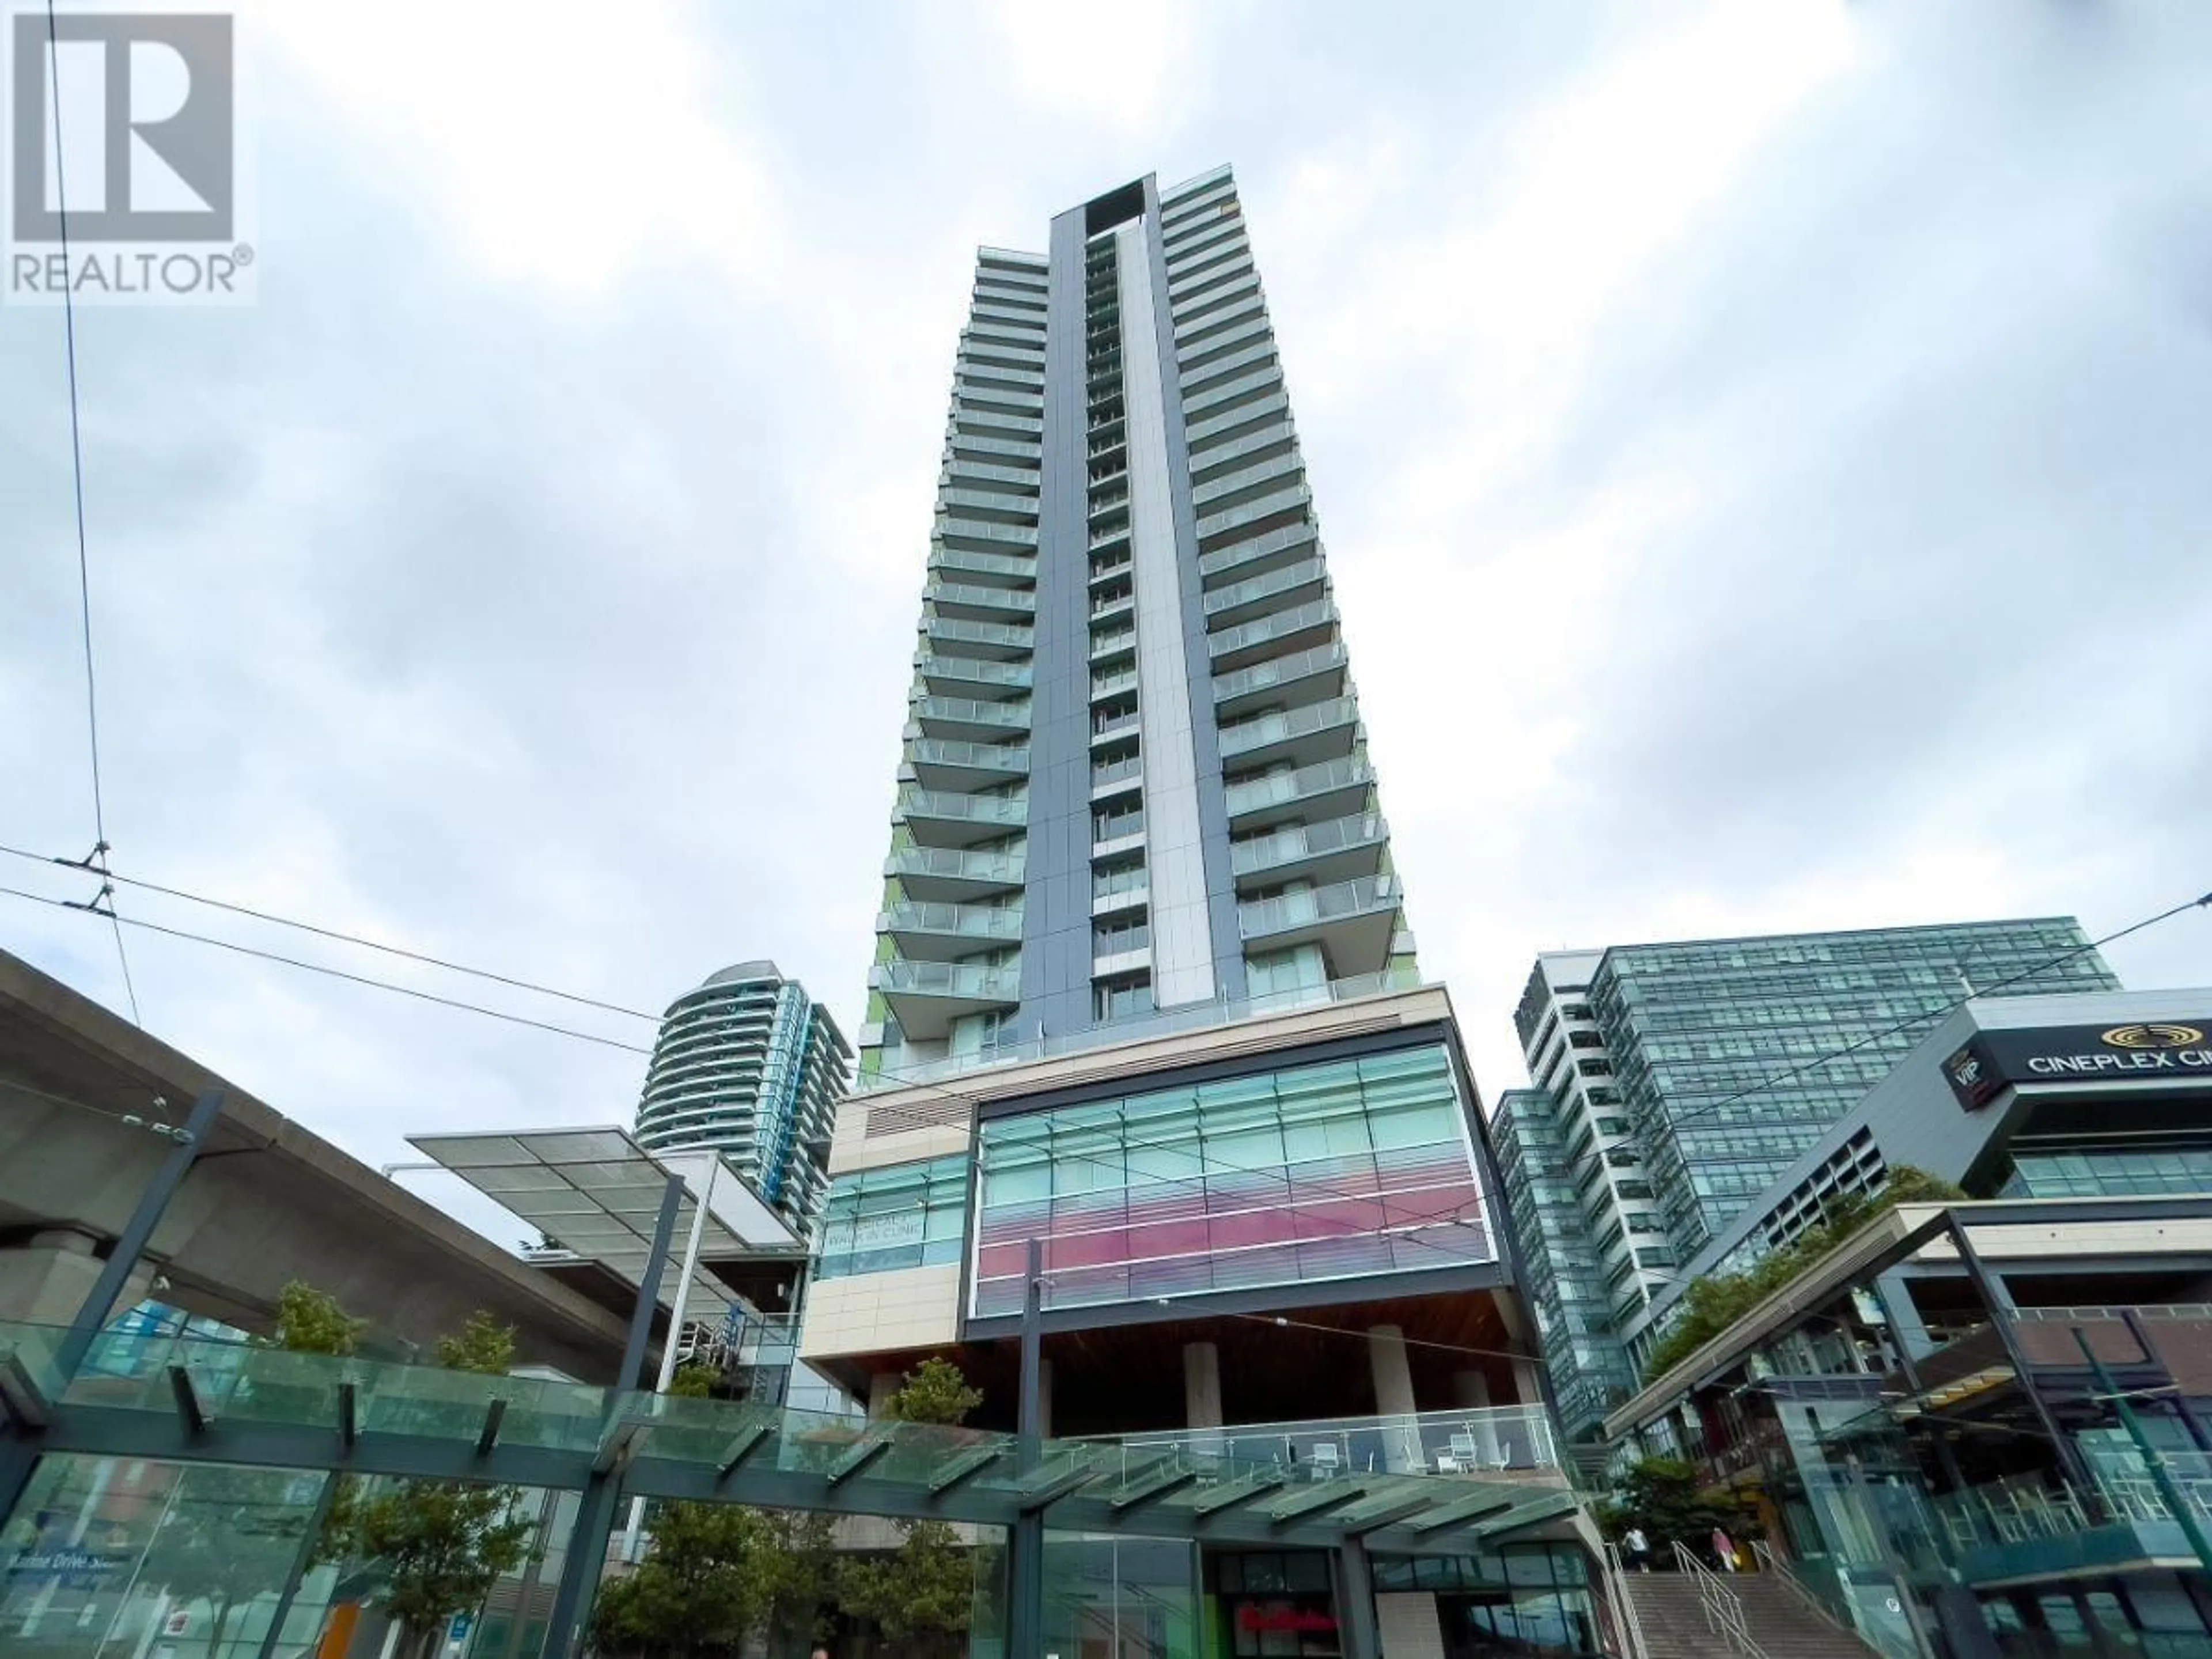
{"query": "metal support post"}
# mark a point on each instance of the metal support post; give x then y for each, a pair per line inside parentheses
(302, 1559)
(92, 1316)
(570, 1620)
(1025, 1574)
(1910, 1367)
(678, 1305)
(2002, 1317)
(2192, 1424)
(2161, 1477)
(1357, 1634)
(19, 1450)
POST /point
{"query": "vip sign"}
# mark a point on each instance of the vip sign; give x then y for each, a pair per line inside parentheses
(2143, 1052)
(123, 177)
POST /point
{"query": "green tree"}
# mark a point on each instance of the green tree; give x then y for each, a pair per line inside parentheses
(693, 1382)
(1713, 1304)
(923, 1595)
(436, 1547)
(227, 1534)
(715, 1575)
(1662, 1496)
(937, 1392)
(309, 1321)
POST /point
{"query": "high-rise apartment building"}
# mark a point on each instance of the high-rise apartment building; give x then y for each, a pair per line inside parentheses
(1684, 1077)
(752, 1066)
(1134, 777)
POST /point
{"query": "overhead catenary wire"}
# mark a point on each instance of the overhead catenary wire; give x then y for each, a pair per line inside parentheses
(339, 936)
(96, 860)
(340, 972)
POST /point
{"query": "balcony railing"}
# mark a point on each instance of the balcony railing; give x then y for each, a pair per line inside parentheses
(1294, 842)
(1344, 773)
(1485, 1441)
(1011, 812)
(984, 923)
(949, 979)
(1012, 715)
(1279, 670)
(1013, 759)
(1256, 918)
(951, 864)
(978, 671)
(1246, 736)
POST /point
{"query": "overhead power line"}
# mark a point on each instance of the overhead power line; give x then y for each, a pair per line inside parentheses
(103, 902)
(341, 936)
(339, 973)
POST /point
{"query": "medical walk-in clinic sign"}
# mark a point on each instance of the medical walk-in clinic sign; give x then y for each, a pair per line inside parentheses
(124, 175)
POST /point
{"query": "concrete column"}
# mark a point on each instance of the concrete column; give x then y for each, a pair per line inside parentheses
(1895, 1297)
(45, 1281)
(881, 1387)
(1202, 1394)
(1393, 1397)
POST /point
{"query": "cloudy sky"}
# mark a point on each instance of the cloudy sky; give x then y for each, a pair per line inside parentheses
(1761, 446)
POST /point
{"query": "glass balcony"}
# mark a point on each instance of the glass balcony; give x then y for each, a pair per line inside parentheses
(950, 872)
(983, 534)
(1305, 737)
(1261, 512)
(1333, 850)
(942, 764)
(1315, 672)
(1105, 645)
(1271, 635)
(1275, 590)
(963, 717)
(1351, 920)
(942, 817)
(1247, 484)
(925, 998)
(1233, 394)
(1335, 788)
(1197, 380)
(938, 931)
(981, 639)
(1105, 686)
(949, 674)
(1207, 437)
(998, 507)
(958, 473)
(972, 602)
(1251, 445)
(963, 443)
(1005, 569)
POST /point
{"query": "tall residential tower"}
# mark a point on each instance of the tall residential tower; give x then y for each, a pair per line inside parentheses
(750, 1065)
(1134, 777)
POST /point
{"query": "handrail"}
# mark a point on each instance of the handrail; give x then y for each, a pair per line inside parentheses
(1724, 1607)
(1771, 1563)
(1624, 1605)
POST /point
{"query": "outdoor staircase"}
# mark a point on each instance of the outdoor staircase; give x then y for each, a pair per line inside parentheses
(1669, 1608)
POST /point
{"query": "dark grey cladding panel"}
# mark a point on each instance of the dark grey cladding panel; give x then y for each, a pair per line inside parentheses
(1212, 800)
(1056, 903)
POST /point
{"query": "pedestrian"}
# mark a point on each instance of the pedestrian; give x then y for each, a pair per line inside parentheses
(1724, 1549)
(1638, 1547)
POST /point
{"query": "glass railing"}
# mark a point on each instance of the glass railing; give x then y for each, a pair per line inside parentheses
(1267, 543)
(1202, 434)
(954, 865)
(1014, 448)
(1475, 1441)
(975, 756)
(1279, 670)
(1258, 917)
(1221, 396)
(1294, 842)
(1105, 645)
(1013, 714)
(1304, 573)
(1208, 498)
(1159, 1021)
(980, 530)
(978, 671)
(1021, 567)
(974, 922)
(1244, 513)
(2131, 1491)
(987, 501)
(1263, 630)
(1284, 788)
(1012, 811)
(983, 633)
(1244, 736)
(950, 979)
(979, 596)
(1104, 685)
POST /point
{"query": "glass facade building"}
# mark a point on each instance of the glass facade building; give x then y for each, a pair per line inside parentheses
(751, 1066)
(1686, 1076)
(1133, 777)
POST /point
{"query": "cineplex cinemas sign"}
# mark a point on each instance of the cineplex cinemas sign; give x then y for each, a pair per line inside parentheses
(2079, 1054)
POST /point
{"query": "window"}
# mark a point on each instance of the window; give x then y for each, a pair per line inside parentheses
(1122, 821)
(1120, 875)
(1117, 937)
(1120, 998)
